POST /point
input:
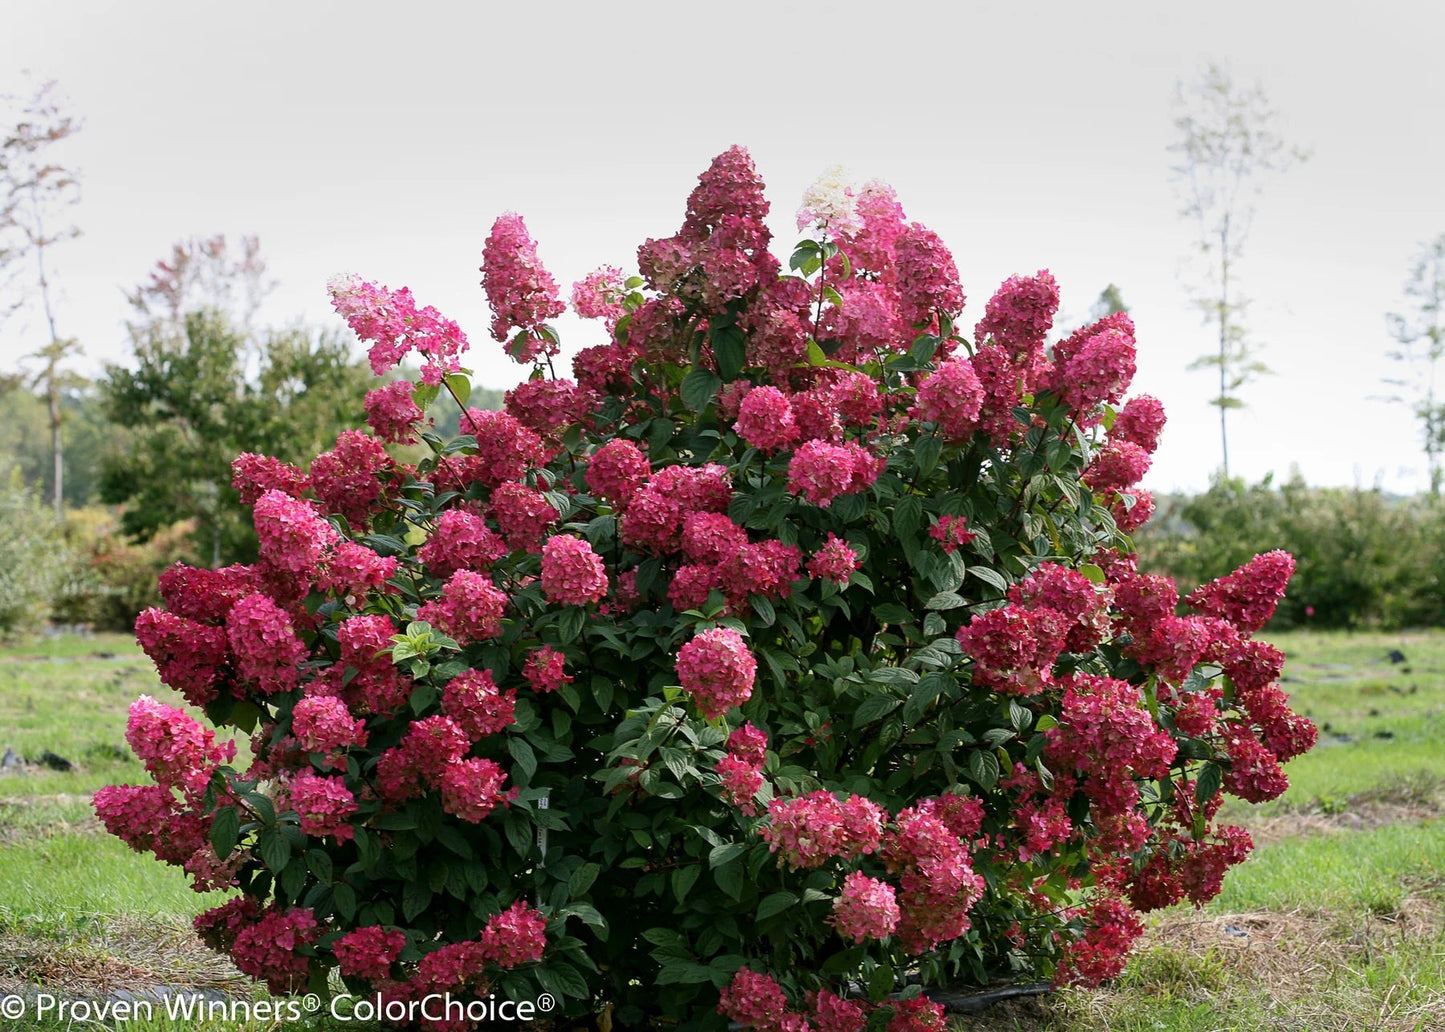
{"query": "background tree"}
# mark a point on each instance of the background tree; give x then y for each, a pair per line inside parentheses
(35, 191)
(1228, 147)
(1110, 302)
(205, 387)
(1420, 334)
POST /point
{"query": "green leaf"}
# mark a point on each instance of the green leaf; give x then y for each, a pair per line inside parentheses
(225, 830)
(570, 623)
(875, 707)
(274, 848)
(683, 879)
(1208, 785)
(423, 394)
(345, 898)
(990, 577)
(729, 347)
(897, 676)
(730, 879)
(525, 758)
(721, 856)
(582, 879)
(459, 385)
(774, 904)
(318, 862)
(698, 389)
(568, 980)
(946, 600)
(892, 613)
(415, 898)
(983, 766)
(927, 452)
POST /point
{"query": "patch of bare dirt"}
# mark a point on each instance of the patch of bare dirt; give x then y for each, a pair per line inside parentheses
(1358, 815)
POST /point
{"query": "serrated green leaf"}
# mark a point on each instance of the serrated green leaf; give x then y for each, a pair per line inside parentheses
(274, 848)
(983, 767)
(774, 904)
(225, 830)
(698, 389)
(990, 577)
(722, 856)
(875, 707)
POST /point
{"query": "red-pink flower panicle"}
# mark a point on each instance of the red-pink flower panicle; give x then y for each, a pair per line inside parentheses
(522, 293)
(866, 908)
(572, 574)
(717, 668)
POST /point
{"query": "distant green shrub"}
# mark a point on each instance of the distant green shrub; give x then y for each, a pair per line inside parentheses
(33, 558)
(1364, 559)
(110, 578)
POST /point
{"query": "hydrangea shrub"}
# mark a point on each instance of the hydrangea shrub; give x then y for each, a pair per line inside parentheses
(788, 660)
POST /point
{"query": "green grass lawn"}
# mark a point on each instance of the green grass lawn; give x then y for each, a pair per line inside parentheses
(1336, 923)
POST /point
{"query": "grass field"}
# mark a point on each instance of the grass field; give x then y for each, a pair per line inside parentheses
(1336, 923)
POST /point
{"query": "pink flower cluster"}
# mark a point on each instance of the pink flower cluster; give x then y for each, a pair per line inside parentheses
(765, 420)
(1140, 422)
(1071, 594)
(740, 781)
(523, 516)
(656, 512)
(323, 804)
(263, 640)
(572, 574)
(822, 472)
(292, 533)
(1247, 597)
(352, 570)
(392, 414)
(472, 788)
(717, 669)
(1095, 365)
(866, 908)
(938, 883)
(952, 397)
(470, 608)
(189, 656)
(369, 952)
(545, 669)
(834, 561)
(1106, 732)
(267, 948)
(353, 478)
(461, 541)
(1014, 648)
(809, 830)
(617, 471)
(951, 531)
(253, 475)
(598, 295)
(1020, 313)
(551, 407)
(522, 293)
(473, 700)
(392, 322)
(323, 724)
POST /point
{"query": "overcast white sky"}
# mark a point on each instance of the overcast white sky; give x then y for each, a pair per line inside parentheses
(383, 139)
